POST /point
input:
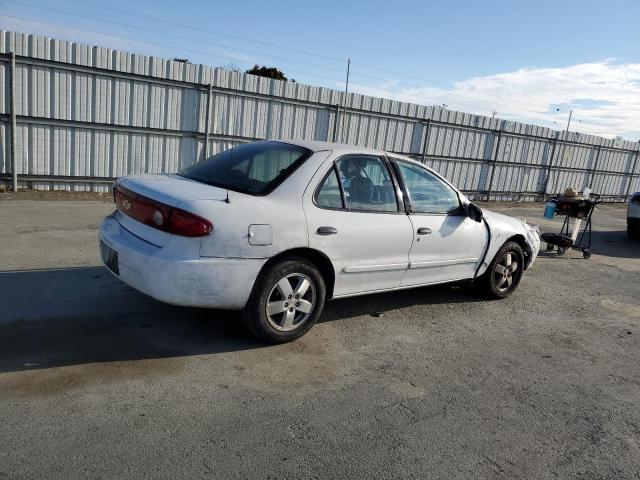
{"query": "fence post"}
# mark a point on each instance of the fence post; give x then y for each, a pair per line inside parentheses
(335, 123)
(632, 174)
(549, 167)
(493, 165)
(207, 128)
(595, 166)
(12, 104)
(427, 126)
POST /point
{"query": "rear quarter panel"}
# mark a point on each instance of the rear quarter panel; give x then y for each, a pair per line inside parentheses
(281, 210)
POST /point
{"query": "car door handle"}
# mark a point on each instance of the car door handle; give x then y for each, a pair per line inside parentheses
(424, 231)
(326, 231)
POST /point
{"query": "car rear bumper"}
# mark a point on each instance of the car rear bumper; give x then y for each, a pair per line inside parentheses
(177, 277)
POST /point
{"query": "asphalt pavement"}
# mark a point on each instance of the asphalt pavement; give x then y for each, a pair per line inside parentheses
(100, 381)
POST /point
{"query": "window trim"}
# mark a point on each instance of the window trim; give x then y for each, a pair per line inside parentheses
(409, 203)
(333, 169)
(400, 205)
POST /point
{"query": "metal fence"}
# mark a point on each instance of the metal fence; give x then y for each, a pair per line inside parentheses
(86, 115)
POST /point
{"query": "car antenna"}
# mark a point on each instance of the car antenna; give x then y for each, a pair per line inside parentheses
(226, 200)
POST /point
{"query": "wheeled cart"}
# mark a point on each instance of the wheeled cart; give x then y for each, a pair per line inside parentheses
(578, 209)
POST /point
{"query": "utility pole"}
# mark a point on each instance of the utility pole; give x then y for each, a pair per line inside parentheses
(494, 113)
(344, 107)
(564, 143)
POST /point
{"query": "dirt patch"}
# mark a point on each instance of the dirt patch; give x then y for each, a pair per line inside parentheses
(58, 195)
(54, 381)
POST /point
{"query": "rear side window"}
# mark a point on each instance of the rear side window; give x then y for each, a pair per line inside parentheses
(328, 194)
(636, 198)
(255, 168)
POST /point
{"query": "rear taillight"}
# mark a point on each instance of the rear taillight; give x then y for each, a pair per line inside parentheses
(158, 215)
(188, 224)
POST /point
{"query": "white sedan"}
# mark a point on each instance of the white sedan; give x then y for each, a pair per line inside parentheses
(275, 228)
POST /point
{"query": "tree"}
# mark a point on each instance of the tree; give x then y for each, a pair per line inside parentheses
(269, 72)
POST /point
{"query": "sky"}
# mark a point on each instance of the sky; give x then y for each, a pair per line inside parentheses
(527, 61)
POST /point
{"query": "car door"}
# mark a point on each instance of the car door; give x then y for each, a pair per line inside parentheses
(355, 216)
(447, 245)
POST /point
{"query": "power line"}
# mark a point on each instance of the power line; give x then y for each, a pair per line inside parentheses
(305, 52)
(466, 98)
(120, 37)
(213, 32)
(400, 74)
(420, 98)
(155, 44)
(183, 37)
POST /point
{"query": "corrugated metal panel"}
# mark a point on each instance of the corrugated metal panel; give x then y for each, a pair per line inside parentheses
(115, 107)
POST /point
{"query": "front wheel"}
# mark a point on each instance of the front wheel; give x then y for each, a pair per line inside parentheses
(286, 301)
(504, 273)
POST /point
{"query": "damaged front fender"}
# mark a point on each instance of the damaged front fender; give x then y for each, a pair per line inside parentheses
(503, 228)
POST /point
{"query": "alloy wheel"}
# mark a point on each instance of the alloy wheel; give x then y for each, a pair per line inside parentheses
(506, 271)
(290, 302)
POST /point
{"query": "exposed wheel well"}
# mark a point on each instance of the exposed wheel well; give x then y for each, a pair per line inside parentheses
(316, 257)
(520, 240)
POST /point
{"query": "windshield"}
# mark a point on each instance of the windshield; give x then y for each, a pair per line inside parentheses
(256, 168)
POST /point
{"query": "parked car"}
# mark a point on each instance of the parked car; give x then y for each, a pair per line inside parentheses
(275, 228)
(633, 216)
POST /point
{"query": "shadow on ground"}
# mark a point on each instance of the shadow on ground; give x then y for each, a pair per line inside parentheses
(73, 316)
(611, 243)
(615, 243)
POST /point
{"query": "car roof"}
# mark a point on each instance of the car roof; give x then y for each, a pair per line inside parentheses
(316, 146)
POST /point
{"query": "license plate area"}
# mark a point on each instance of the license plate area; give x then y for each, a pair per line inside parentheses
(109, 257)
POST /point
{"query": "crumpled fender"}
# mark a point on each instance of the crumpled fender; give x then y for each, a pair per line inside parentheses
(502, 228)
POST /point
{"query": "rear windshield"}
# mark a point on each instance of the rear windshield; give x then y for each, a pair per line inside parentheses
(255, 168)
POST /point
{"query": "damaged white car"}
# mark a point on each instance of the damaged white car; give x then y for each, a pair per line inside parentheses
(276, 228)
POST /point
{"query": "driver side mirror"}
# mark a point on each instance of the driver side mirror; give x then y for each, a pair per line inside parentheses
(474, 212)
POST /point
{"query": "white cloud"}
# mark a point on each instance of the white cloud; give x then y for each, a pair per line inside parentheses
(604, 96)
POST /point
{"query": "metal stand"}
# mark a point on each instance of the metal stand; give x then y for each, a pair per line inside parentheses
(578, 210)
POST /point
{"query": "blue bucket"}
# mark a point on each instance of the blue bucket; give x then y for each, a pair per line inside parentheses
(549, 210)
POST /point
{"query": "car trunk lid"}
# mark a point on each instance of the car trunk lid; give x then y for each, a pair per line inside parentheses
(171, 191)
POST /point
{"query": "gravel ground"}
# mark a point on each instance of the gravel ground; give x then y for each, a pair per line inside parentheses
(100, 381)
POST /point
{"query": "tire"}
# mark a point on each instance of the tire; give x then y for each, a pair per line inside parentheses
(633, 232)
(290, 317)
(497, 283)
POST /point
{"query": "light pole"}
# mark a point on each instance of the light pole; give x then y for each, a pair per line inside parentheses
(569, 121)
(344, 106)
(566, 136)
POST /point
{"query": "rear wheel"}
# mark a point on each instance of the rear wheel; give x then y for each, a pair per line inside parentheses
(286, 301)
(504, 273)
